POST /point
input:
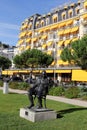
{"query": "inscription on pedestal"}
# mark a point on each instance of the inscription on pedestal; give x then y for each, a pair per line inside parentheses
(26, 113)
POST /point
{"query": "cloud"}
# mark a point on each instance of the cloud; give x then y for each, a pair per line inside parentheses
(8, 35)
(9, 26)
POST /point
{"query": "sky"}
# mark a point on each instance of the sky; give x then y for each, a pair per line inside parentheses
(14, 12)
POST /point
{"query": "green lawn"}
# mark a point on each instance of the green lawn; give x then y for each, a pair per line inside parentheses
(70, 117)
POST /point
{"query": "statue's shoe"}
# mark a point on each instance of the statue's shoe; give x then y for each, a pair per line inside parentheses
(30, 106)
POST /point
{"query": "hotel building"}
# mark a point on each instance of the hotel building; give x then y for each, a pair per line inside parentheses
(52, 32)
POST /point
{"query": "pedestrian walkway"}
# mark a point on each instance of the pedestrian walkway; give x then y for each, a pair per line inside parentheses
(55, 98)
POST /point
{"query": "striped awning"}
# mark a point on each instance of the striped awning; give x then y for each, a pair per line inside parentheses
(28, 47)
(54, 27)
(60, 43)
(53, 63)
(20, 41)
(29, 33)
(49, 52)
(61, 32)
(69, 22)
(67, 42)
(34, 39)
(49, 43)
(44, 46)
(74, 29)
(67, 31)
(28, 40)
(84, 16)
(62, 24)
(85, 3)
(22, 34)
(44, 36)
(75, 39)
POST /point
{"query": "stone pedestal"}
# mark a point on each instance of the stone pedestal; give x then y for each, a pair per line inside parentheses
(5, 88)
(37, 114)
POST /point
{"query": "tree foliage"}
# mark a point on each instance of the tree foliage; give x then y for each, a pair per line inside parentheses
(5, 63)
(76, 53)
(32, 58)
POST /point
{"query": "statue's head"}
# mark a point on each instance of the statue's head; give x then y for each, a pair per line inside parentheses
(44, 74)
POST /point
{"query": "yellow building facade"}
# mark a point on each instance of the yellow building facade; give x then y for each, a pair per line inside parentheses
(52, 32)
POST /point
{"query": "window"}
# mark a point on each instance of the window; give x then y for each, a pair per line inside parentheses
(70, 13)
(77, 10)
(55, 18)
(63, 16)
(42, 23)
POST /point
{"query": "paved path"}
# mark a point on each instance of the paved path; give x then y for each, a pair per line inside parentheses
(55, 98)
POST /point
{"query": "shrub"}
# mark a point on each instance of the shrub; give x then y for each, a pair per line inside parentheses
(1, 83)
(72, 92)
(84, 97)
(14, 85)
(23, 86)
(51, 91)
(57, 91)
(19, 85)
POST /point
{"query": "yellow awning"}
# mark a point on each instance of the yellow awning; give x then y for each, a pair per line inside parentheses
(69, 22)
(21, 48)
(54, 27)
(67, 31)
(47, 29)
(44, 46)
(67, 42)
(40, 31)
(49, 43)
(22, 34)
(34, 39)
(44, 36)
(62, 62)
(61, 32)
(63, 71)
(85, 4)
(24, 26)
(75, 39)
(49, 71)
(84, 16)
(53, 63)
(74, 29)
(60, 43)
(59, 52)
(28, 47)
(28, 40)
(62, 24)
(4, 72)
(49, 52)
(29, 33)
(20, 41)
(79, 75)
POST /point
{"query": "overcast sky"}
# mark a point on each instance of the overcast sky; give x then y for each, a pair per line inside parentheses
(14, 12)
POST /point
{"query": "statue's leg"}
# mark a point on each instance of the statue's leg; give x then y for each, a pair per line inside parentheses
(30, 96)
(39, 102)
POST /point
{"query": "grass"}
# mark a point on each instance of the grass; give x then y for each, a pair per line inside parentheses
(70, 117)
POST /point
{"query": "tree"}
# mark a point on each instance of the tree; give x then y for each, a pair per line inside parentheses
(76, 53)
(17, 61)
(5, 63)
(32, 58)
